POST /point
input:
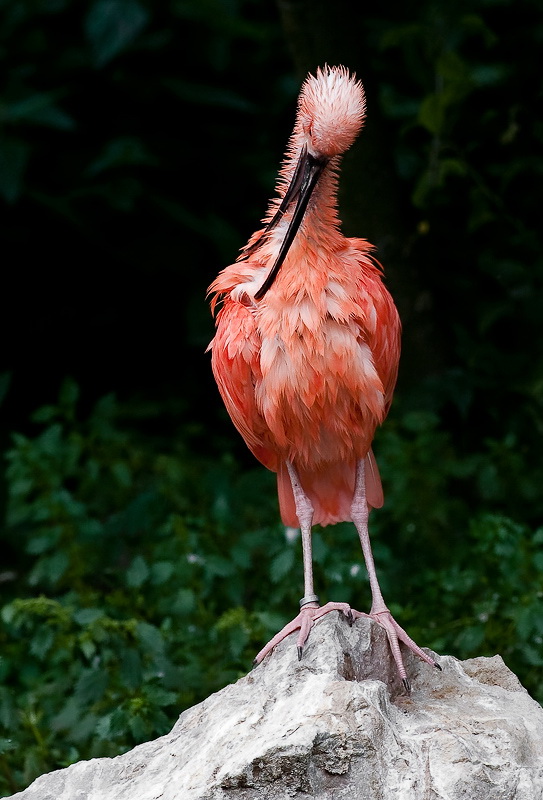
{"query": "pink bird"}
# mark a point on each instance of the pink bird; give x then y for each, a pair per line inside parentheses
(307, 347)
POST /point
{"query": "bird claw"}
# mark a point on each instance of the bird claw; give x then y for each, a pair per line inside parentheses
(303, 622)
(396, 634)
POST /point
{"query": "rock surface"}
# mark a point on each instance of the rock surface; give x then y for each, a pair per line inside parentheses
(336, 725)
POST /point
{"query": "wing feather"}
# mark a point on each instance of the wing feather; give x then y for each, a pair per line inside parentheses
(235, 360)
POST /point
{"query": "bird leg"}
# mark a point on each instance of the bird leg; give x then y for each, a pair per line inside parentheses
(310, 610)
(379, 611)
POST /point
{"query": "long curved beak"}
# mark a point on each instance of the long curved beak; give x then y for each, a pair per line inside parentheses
(304, 180)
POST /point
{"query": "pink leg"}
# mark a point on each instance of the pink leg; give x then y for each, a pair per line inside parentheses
(310, 610)
(379, 611)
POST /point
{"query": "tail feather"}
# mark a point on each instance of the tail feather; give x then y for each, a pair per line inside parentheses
(331, 491)
(374, 489)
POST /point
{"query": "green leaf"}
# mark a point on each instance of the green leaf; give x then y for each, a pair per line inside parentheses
(456, 74)
(122, 473)
(533, 655)
(8, 613)
(69, 716)
(126, 151)
(137, 573)
(7, 745)
(159, 696)
(103, 726)
(130, 671)
(88, 647)
(489, 74)
(112, 25)
(39, 109)
(432, 113)
(282, 564)
(91, 686)
(451, 166)
(53, 117)
(150, 636)
(51, 439)
(218, 565)
(139, 728)
(538, 561)
(162, 571)
(45, 414)
(185, 602)
(86, 616)
(470, 639)
(40, 544)
(42, 641)
(7, 708)
(118, 722)
(49, 570)
(538, 536)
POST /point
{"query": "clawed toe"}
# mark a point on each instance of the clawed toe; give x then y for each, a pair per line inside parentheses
(396, 634)
(305, 620)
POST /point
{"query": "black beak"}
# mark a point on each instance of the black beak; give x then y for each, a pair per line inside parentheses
(304, 180)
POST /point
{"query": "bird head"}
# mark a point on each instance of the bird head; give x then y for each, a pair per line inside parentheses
(331, 110)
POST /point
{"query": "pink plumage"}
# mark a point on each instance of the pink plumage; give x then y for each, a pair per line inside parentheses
(317, 357)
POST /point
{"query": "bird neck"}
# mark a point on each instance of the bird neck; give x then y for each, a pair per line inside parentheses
(321, 217)
(313, 259)
(322, 211)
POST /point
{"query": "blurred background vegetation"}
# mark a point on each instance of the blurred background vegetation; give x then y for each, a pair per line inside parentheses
(142, 560)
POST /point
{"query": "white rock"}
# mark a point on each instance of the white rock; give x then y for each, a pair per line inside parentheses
(335, 726)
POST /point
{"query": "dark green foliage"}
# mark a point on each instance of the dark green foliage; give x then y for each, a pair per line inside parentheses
(143, 562)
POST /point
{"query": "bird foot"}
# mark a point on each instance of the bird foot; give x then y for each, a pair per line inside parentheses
(304, 622)
(396, 634)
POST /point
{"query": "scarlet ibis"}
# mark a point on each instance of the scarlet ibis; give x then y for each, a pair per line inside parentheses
(307, 346)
